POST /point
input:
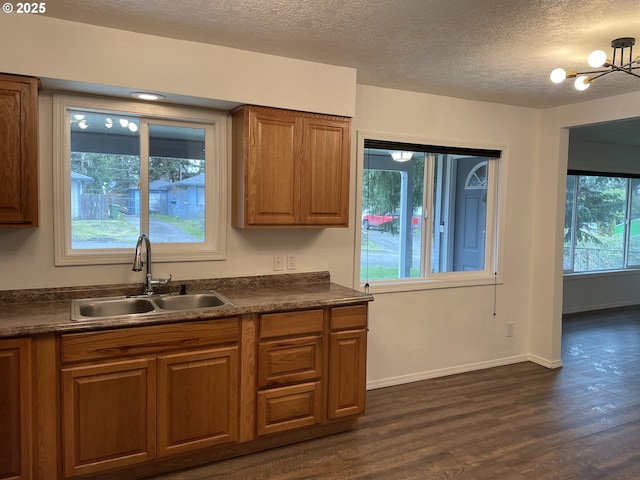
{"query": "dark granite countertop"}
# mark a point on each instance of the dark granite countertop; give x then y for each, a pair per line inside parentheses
(31, 312)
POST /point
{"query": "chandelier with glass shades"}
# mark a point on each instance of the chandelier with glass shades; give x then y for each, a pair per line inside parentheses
(598, 59)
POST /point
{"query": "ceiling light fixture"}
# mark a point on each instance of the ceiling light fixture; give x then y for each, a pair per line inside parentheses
(401, 156)
(598, 59)
(147, 96)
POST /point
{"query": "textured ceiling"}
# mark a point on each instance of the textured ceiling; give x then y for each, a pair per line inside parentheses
(494, 50)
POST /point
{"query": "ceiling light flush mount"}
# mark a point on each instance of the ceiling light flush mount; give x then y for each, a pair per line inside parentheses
(598, 59)
(148, 96)
(402, 156)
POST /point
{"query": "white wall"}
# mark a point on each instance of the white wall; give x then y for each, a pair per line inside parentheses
(421, 334)
(87, 54)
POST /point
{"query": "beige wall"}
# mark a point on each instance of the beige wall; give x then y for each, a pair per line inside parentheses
(413, 335)
(420, 334)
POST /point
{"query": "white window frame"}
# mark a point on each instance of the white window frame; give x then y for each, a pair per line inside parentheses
(495, 231)
(215, 125)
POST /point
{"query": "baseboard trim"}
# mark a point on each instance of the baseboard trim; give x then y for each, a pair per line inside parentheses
(601, 306)
(443, 372)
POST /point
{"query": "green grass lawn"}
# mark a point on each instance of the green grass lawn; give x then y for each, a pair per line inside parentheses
(103, 229)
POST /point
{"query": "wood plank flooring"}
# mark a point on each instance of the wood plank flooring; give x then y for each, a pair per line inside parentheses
(515, 422)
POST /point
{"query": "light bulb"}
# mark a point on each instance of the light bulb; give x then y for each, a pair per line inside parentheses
(133, 127)
(83, 124)
(108, 122)
(597, 58)
(124, 122)
(558, 75)
(582, 82)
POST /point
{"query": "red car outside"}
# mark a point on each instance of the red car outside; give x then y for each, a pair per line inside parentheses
(370, 220)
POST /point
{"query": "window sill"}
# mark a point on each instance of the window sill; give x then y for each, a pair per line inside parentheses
(408, 285)
(602, 273)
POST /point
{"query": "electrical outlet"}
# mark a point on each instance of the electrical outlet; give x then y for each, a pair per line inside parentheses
(278, 263)
(510, 327)
(291, 261)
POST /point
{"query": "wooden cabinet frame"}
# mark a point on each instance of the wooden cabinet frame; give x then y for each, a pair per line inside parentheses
(18, 151)
(290, 169)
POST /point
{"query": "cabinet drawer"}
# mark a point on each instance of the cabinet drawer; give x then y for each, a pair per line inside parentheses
(345, 318)
(286, 408)
(288, 361)
(291, 323)
(129, 342)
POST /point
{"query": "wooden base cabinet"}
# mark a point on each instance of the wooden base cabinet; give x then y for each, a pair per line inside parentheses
(109, 415)
(15, 409)
(134, 395)
(139, 401)
(347, 361)
(290, 370)
(197, 400)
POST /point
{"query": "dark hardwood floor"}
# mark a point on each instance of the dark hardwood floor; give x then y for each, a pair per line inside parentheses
(520, 421)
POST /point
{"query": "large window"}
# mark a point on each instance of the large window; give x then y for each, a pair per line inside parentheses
(428, 212)
(125, 168)
(602, 222)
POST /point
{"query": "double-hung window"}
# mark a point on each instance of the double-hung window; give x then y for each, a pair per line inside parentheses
(127, 168)
(602, 222)
(429, 214)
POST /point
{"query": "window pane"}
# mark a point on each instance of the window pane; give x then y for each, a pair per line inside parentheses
(567, 261)
(105, 170)
(176, 184)
(460, 213)
(393, 183)
(634, 225)
(600, 225)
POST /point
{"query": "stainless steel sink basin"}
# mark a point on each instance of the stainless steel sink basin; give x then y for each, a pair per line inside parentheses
(88, 308)
(113, 307)
(190, 301)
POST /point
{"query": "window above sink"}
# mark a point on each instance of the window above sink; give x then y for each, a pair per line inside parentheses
(127, 167)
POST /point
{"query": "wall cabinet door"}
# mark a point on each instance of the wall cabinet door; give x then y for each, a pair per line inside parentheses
(273, 175)
(18, 151)
(15, 409)
(290, 168)
(325, 171)
(197, 399)
(108, 415)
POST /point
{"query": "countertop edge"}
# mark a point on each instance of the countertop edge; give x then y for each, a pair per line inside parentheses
(53, 316)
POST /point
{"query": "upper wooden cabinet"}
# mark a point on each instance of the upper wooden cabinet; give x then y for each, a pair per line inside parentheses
(18, 151)
(290, 169)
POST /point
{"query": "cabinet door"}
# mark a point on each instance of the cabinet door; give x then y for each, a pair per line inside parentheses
(18, 151)
(272, 176)
(347, 373)
(197, 399)
(15, 409)
(109, 415)
(325, 171)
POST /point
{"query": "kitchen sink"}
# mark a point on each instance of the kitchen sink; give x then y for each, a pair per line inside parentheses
(89, 308)
(190, 301)
(113, 307)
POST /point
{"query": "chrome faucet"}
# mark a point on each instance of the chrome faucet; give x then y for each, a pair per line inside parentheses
(138, 264)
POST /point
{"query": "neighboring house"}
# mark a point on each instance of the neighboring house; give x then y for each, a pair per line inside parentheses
(186, 197)
(183, 199)
(78, 182)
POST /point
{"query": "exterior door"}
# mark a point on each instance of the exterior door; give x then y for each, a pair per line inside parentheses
(470, 214)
